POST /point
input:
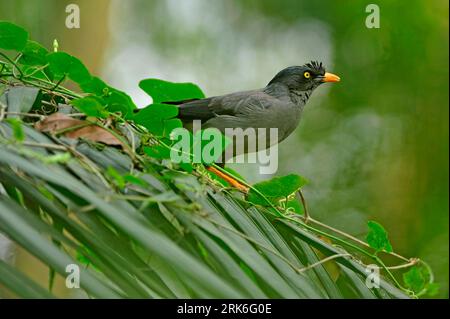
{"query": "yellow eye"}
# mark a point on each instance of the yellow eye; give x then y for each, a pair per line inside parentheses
(307, 75)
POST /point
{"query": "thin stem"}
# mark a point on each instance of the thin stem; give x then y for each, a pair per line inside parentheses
(337, 239)
(324, 261)
(412, 262)
(362, 251)
(27, 114)
(43, 145)
(379, 261)
(13, 63)
(58, 83)
(340, 232)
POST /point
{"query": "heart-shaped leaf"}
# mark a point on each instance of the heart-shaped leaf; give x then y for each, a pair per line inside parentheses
(157, 151)
(414, 279)
(90, 106)
(12, 37)
(276, 189)
(164, 91)
(158, 118)
(95, 86)
(34, 54)
(377, 237)
(62, 64)
(114, 100)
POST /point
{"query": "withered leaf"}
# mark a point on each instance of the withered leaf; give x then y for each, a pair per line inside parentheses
(96, 134)
(58, 121)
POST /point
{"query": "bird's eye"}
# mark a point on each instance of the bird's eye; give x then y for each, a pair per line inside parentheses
(307, 75)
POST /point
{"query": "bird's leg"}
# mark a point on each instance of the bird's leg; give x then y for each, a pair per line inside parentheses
(228, 178)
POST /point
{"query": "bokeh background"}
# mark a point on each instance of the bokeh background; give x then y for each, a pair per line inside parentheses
(374, 146)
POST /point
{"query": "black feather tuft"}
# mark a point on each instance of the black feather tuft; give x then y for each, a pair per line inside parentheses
(316, 66)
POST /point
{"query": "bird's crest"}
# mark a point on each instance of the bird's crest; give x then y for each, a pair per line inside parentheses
(316, 66)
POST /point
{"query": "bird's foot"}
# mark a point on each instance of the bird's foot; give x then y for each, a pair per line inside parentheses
(229, 179)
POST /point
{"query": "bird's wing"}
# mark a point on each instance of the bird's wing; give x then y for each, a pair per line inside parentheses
(235, 104)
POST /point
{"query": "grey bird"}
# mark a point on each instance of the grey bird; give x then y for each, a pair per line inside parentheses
(278, 105)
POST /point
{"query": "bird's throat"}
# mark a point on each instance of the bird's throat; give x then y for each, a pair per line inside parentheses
(299, 97)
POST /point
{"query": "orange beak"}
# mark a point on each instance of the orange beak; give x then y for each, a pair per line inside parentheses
(330, 77)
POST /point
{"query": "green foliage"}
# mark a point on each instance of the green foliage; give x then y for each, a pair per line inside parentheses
(113, 99)
(90, 106)
(276, 189)
(414, 279)
(208, 145)
(12, 37)
(34, 54)
(164, 91)
(62, 64)
(50, 70)
(158, 119)
(377, 237)
(418, 279)
(17, 129)
(61, 158)
(95, 86)
(157, 151)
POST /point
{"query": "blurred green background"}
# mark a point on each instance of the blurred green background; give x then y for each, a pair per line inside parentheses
(374, 146)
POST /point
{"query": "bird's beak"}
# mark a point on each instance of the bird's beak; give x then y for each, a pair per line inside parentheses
(330, 77)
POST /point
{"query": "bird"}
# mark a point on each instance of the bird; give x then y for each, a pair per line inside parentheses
(278, 105)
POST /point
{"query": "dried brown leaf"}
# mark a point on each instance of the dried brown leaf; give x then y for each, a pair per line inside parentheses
(59, 121)
(96, 134)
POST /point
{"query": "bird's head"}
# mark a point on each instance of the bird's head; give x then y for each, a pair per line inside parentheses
(304, 78)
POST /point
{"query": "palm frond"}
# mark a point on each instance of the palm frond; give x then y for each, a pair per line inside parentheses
(175, 237)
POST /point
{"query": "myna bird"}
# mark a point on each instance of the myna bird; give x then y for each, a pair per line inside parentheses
(279, 105)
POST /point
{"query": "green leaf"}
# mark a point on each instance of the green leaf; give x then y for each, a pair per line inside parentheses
(208, 145)
(135, 180)
(12, 37)
(164, 91)
(34, 54)
(21, 99)
(276, 189)
(115, 175)
(295, 206)
(157, 151)
(377, 237)
(95, 86)
(114, 100)
(432, 289)
(60, 158)
(155, 112)
(188, 167)
(90, 106)
(415, 279)
(118, 101)
(62, 64)
(16, 125)
(153, 118)
(170, 125)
